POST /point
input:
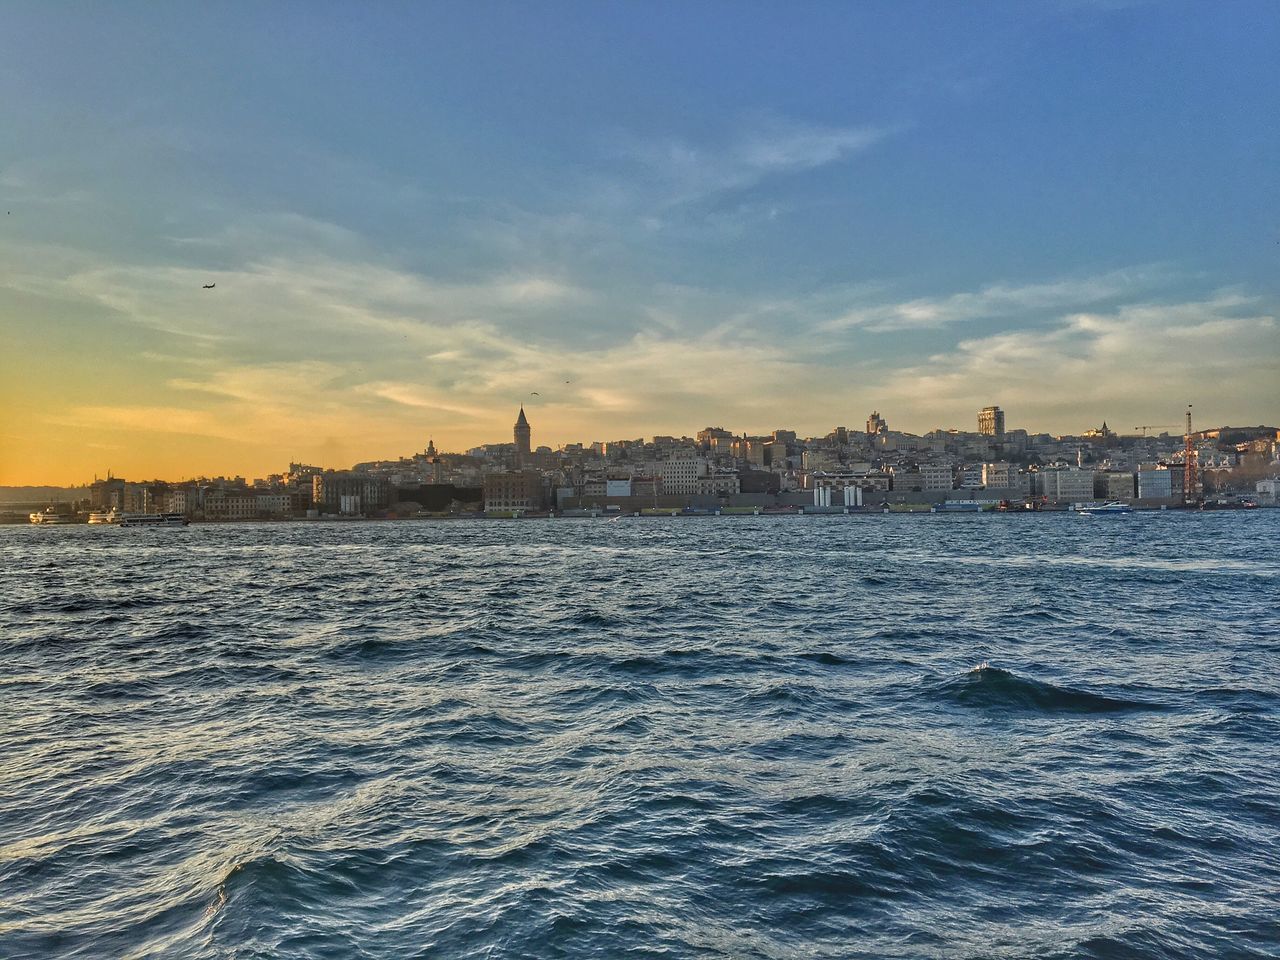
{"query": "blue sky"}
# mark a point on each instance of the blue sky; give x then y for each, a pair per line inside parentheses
(750, 214)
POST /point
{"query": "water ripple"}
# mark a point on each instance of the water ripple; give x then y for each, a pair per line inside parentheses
(757, 737)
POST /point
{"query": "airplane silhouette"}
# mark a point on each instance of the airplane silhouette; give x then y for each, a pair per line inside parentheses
(208, 286)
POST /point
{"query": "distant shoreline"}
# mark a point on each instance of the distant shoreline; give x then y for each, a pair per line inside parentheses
(661, 515)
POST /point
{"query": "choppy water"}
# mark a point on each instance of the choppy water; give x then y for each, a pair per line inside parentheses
(747, 737)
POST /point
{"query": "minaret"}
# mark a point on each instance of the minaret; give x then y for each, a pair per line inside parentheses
(522, 438)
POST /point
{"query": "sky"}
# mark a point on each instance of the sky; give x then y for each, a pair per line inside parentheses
(633, 218)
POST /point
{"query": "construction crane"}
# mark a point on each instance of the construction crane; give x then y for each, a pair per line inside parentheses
(1144, 427)
(1190, 488)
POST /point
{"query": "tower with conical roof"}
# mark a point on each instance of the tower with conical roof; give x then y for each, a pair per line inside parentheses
(523, 434)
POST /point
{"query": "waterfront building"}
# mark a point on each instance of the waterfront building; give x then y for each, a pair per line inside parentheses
(1155, 484)
(230, 505)
(180, 500)
(347, 492)
(274, 504)
(1067, 485)
(864, 480)
(514, 490)
(644, 486)
(1115, 485)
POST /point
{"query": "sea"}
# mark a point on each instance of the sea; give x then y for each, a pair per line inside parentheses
(738, 737)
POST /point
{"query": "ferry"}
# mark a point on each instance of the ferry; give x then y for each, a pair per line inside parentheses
(49, 516)
(957, 506)
(153, 520)
(1111, 506)
(105, 516)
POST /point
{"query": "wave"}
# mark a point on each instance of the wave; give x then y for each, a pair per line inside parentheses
(827, 659)
(991, 688)
(85, 604)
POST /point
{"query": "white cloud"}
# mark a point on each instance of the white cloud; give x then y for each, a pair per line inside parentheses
(1221, 353)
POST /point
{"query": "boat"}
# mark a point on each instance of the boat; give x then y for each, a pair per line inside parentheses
(958, 506)
(105, 516)
(49, 516)
(1111, 506)
(153, 520)
(1241, 503)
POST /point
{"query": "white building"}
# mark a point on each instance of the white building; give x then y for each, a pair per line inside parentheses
(935, 476)
(679, 476)
(180, 500)
(1000, 475)
(1068, 485)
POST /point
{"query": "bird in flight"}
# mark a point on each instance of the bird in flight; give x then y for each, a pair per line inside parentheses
(208, 286)
(535, 394)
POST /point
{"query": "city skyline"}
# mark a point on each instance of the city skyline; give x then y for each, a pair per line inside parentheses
(874, 467)
(265, 239)
(522, 441)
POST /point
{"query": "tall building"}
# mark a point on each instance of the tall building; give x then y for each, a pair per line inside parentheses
(991, 422)
(523, 434)
(876, 424)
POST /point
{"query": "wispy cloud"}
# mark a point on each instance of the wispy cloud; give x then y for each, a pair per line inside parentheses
(681, 171)
(266, 383)
(997, 301)
(300, 297)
